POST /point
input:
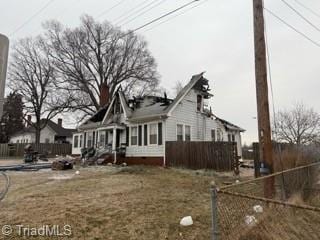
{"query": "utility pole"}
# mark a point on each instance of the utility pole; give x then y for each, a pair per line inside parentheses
(265, 144)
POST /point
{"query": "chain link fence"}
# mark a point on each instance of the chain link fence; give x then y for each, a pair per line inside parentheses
(246, 211)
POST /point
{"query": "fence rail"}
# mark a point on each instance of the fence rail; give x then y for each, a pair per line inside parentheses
(244, 211)
(220, 156)
(52, 149)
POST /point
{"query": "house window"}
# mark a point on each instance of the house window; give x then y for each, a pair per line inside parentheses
(75, 141)
(145, 133)
(199, 103)
(219, 135)
(179, 132)
(213, 135)
(89, 142)
(134, 136)
(117, 107)
(80, 142)
(233, 138)
(187, 133)
(153, 133)
(47, 140)
(102, 138)
(18, 141)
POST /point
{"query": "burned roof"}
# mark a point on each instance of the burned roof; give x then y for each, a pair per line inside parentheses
(148, 107)
(229, 126)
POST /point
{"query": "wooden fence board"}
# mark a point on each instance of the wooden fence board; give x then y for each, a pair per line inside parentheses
(220, 156)
(17, 149)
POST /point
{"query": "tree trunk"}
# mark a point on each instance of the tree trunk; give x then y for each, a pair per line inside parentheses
(38, 131)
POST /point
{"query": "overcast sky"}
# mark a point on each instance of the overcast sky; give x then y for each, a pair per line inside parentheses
(216, 37)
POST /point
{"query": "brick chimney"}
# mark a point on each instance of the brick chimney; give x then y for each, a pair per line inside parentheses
(104, 94)
(29, 120)
(60, 122)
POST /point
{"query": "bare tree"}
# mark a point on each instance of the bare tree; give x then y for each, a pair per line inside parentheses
(32, 75)
(300, 125)
(96, 55)
(178, 87)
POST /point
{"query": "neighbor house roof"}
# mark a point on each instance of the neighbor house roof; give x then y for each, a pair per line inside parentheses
(60, 131)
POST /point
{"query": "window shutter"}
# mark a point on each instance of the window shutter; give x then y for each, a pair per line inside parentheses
(140, 135)
(145, 135)
(160, 133)
(127, 136)
(85, 140)
(93, 139)
(107, 137)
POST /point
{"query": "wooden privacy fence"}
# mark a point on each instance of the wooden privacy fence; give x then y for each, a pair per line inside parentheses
(17, 149)
(220, 156)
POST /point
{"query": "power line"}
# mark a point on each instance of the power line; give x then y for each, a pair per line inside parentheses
(300, 15)
(292, 27)
(128, 12)
(32, 17)
(165, 15)
(157, 19)
(175, 16)
(309, 9)
(111, 8)
(142, 13)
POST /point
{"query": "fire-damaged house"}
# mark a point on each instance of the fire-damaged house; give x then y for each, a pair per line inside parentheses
(138, 128)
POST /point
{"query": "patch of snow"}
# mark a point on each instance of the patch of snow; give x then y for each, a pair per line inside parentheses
(250, 220)
(186, 221)
(258, 209)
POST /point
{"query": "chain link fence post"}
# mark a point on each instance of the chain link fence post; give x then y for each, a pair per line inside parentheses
(214, 208)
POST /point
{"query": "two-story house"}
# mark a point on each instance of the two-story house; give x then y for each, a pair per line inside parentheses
(143, 125)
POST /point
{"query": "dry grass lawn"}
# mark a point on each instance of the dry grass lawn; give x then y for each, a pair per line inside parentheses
(111, 203)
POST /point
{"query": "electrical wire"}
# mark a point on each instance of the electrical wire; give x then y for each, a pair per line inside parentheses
(175, 16)
(144, 12)
(307, 8)
(111, 8)
(32, 17)
(273, 104)
(124, 15)
(301, 15)
(292, 27)
(165, 15)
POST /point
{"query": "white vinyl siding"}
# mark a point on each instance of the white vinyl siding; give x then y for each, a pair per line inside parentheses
(152, 149)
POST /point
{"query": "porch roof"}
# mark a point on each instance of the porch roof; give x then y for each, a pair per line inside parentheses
(112, 126)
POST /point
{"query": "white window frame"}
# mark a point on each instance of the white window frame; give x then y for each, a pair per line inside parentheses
(215, 135)
(130, 135)
(80, 140)
(101, 144)
(220, 134)
(181, 124)
(91, 137)
(76, 143)
(157, 133)
(184, 132)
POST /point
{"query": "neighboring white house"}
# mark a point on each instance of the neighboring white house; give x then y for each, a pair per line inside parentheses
(143, 125)
(51, 133)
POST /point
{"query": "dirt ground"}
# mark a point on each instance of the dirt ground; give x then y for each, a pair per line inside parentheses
(5, 162)
(112, 203)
